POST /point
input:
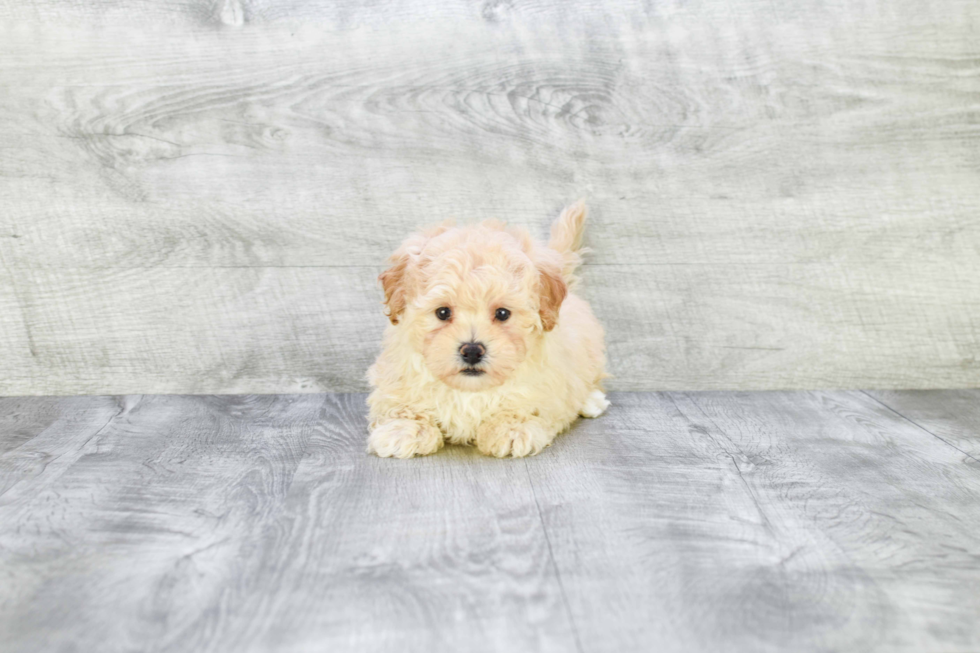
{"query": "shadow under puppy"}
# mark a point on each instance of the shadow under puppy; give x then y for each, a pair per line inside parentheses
(487, 344)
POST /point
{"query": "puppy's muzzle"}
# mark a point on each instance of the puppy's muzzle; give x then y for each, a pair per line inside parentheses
(472, 352)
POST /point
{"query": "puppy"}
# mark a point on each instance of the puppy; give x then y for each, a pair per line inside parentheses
(486, 345)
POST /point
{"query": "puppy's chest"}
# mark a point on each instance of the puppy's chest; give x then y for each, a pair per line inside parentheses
(459, 414)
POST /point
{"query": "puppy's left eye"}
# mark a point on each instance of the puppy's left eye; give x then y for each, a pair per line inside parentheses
(502, 314)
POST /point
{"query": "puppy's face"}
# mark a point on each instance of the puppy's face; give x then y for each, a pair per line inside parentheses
(474, 302)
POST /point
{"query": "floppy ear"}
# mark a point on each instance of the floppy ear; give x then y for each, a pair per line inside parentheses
(398, 280)
(552, 288)
(395, 283)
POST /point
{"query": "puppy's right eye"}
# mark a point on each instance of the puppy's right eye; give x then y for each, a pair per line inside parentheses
(444, 313)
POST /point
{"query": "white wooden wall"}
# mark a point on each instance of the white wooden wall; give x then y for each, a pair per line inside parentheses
(197, 196)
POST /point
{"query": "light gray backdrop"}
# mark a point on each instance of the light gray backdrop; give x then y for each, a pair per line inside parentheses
(197, 196)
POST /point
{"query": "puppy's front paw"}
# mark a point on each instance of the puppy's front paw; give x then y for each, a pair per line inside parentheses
(517, 439)
(404, 438)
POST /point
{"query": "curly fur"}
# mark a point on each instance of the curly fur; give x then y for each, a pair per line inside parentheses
(543, 367)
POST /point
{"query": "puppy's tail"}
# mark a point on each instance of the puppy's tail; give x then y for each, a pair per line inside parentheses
(566, 238)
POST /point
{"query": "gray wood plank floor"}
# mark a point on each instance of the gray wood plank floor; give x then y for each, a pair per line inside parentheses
(804, 521)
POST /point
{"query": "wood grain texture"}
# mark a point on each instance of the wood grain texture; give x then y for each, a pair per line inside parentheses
(784, 193)
(260, 523)
(676, 522)
(953, 416)
(446, 555)
(763, 522)
(133, 530)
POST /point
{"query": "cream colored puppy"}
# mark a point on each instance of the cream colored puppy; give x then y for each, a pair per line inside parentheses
(486, 343)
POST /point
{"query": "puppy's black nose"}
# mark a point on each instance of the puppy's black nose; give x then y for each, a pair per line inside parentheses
(472, 352)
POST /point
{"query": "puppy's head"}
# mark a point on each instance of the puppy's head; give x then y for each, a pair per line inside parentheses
(474, 301)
